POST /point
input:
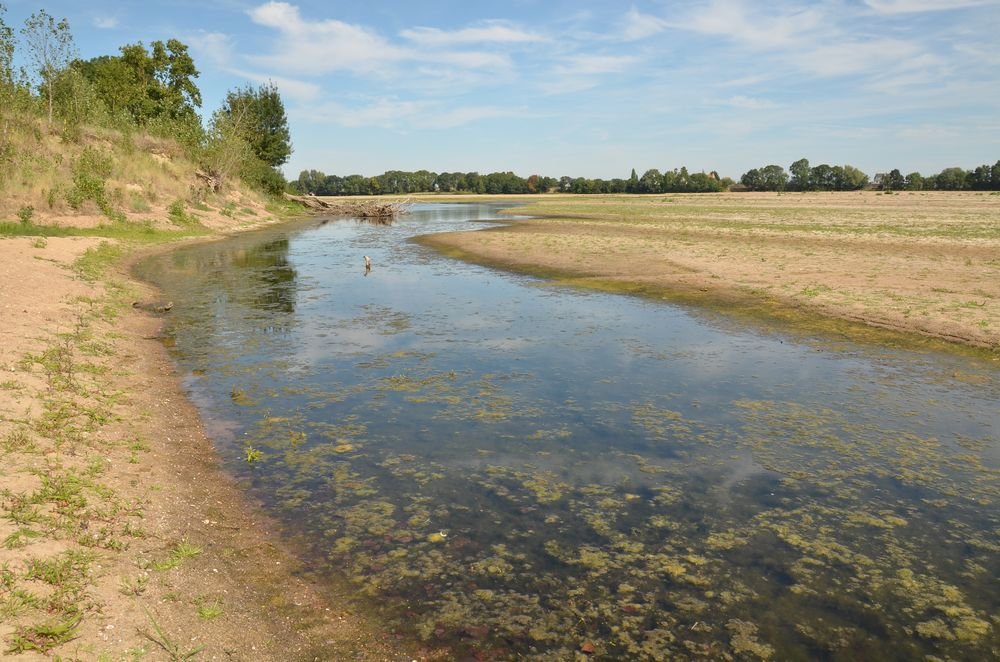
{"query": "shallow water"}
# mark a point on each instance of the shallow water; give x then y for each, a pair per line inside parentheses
(518, 470)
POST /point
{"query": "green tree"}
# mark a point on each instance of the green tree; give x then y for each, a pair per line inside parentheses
(801, 175)
(914, 182)
(152, 88)
(853, 179)
(50, 49)
(951, 179)
(893, 181)
(261, 115)
(633, 183)
(7, 45)
(650, 182)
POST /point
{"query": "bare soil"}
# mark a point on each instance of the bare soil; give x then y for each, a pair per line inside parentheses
(919, 263)
(105, 461)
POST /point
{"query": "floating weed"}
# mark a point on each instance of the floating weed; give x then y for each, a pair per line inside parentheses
(251, 454)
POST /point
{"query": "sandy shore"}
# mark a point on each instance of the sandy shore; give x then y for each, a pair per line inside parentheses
(123, 537)
(926, 265)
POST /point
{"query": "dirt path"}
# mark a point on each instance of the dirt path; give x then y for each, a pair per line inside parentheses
(122, 537)
(926, 264)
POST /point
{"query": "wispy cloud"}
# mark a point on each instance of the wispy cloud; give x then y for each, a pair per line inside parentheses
(455, 117)
(217, 47)
(749, 103)
(636, 25)
(106, 22)
(911, 6)
(849, 57)
(386, 113)
(329, 45)
(402, 115)
(496, 32)
(288, 87)
(322, 46)
(591, 65)
(756, 26)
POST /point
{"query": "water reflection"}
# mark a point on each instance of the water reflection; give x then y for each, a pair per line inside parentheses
(523, 471)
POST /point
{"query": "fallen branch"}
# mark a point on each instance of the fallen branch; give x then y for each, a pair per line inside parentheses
(375, 209)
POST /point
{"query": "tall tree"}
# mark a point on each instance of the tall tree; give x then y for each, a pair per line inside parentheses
(157, 84)
(50, 49)
(7, 44)
(261, 115)
(800, 175)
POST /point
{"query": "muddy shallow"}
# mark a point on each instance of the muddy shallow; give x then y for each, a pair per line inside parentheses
(517, 469)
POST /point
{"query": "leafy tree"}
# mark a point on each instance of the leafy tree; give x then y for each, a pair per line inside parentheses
(894, 181)
(768, 178)
(7, 44)
(633, 183)
(260, 114)
(152, 88)
(853, 179)
(914, 182)
(801, 175)
(951, 179)
(650, 182)
(980, 179)
(50, 49)
(309, 181)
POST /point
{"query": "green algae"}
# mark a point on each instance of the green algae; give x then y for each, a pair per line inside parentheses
(668, 523)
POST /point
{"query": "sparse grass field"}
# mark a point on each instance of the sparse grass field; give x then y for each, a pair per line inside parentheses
(926, 263)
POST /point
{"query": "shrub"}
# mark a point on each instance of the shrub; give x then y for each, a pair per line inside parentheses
(25, 214)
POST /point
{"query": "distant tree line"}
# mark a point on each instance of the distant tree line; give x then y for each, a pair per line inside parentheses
(802, 177)
(144, 88)
(398, 182)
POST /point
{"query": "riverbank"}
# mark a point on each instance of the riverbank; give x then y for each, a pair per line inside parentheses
(924, 264)
(122, 535)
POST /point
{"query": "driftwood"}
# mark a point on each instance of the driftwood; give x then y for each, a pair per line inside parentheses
(377, 210)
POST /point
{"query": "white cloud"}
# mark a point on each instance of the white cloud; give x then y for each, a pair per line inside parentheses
(844, 58)
(488, 32)
(392, 113)
(590, 65)
(460, 116)
(385, 113)
(106, 22)
(324, 46)
(744, 81)
(733, 19)
(910, 6)
(215, 46)
(287, 87)
(636, 25)
(749, 103)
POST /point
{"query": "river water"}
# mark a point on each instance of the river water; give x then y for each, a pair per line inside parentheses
(517, 470)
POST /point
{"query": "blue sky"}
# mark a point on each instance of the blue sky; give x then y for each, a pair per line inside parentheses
(591, 89)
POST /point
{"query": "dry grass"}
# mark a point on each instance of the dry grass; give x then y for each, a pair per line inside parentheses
(924, 263)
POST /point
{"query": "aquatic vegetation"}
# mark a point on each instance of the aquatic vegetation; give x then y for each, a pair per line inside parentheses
(531, 473)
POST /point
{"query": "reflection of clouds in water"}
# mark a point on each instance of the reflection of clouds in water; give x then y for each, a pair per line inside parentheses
(507, 344)
(320, 339)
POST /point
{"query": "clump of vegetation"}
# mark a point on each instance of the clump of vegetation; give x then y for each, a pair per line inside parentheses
(25, 214)
(66, 118)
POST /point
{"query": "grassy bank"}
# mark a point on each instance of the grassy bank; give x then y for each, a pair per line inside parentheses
(120, 536)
